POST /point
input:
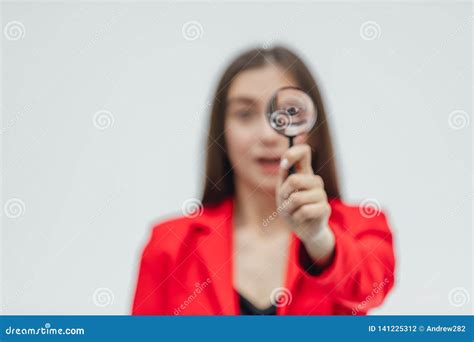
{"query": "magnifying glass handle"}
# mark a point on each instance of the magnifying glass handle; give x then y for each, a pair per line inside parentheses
(292, 168)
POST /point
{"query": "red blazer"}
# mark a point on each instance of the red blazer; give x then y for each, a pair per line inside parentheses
(186, 267)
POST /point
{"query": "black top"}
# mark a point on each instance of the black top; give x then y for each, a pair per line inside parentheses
(247, 308)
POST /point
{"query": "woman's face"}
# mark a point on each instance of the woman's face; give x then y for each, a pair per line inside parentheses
(253, 147)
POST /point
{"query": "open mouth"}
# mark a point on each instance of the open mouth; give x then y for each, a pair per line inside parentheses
(269, 161)
(271, 165)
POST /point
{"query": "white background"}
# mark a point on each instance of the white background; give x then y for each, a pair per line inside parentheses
(88, 197)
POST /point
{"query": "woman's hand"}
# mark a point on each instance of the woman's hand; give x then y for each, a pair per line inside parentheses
(302, 199)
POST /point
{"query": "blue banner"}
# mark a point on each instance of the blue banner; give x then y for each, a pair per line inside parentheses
(237, 328)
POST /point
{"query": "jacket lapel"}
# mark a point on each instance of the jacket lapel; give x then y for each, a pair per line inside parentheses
(292, 272)
(214, 247)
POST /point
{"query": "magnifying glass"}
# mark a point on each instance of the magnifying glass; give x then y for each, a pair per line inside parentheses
(291, 112)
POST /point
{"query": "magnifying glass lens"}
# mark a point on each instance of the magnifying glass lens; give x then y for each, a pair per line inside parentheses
(291, 112)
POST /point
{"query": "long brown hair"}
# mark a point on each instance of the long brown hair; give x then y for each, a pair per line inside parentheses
(219, 182)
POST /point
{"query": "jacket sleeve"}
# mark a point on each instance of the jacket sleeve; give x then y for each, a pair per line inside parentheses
(151, 283)
(361, 272)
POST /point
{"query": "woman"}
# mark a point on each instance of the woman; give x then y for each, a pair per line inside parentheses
(266, 242)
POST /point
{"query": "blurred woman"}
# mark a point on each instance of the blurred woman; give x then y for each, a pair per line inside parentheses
(264, 241)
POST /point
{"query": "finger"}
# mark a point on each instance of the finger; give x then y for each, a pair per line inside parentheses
(299, 182)
(299, 155)
(301, 198)
(282, 176)
(310, 212)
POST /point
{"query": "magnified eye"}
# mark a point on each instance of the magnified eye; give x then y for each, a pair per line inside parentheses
(292, 110)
